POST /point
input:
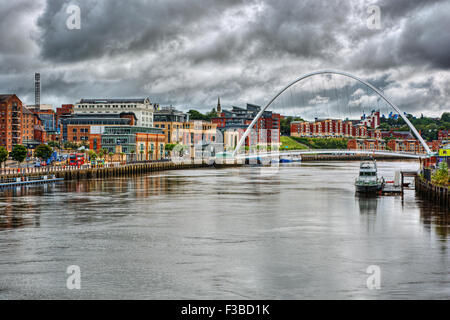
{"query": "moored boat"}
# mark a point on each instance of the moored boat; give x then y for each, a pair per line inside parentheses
(368, 181)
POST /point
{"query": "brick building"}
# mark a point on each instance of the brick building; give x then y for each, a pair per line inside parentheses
(66, 110)
(88, 128)
(364, 128)
(170, 121)
(139, 143)
(443, 135)
(435, 145)
(328, 128)
(366, 144)
(29, 121)
(411, 145)
(402, 135)
(11, 110)
(142, 108)
(267, 128)
(18, 125)
(177, 128)
(372, 121)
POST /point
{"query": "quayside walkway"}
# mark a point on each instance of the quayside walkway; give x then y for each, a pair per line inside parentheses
(87, 172)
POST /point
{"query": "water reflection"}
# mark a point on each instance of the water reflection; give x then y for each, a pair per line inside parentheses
(232, 233)
(368, 204)
(137, 186)
(435, 217)
(17, 210)
(368, 208)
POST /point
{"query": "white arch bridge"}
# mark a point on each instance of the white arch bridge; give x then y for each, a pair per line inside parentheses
(293, 153)
(377, 91)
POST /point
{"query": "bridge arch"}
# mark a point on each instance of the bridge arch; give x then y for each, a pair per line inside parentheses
(342, 73)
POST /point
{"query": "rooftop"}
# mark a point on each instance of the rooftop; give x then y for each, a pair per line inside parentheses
(26, 110)
(4, 97)
(110, 101)
(402, 134)
(100, 115)
(120, 130)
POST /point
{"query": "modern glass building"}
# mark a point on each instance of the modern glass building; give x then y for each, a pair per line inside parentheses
(91, 120)
(141, 141)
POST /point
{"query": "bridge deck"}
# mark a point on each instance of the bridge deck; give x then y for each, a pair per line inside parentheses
(328, 151)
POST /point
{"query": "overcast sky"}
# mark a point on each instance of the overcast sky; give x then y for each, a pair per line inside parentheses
(186, 53)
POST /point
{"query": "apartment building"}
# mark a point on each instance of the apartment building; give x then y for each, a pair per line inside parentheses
(142, 108)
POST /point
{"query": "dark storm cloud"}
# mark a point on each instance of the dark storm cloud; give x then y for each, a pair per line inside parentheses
(413, 33)
(12, 20)
(426, 37)
(111, 27)
(187, 53)
(404, 8)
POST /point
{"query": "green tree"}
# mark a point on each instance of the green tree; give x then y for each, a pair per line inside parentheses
(428, 127)
(323, 143)
(445, 117)
(211, 114)
(441, 175)
(110, 156)
(19, 153)
(92, 155)
(3, 155)
(69, 145)
(384, 126)
(43, 152)
(54, 144)
(170, 146)
(102, 152)
(196, 115)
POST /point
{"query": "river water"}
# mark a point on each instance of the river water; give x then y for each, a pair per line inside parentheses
(296, 232)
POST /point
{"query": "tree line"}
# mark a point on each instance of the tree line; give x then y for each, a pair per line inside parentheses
(428, 127)
(19, 153)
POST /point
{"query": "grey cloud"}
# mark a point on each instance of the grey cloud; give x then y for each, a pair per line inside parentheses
(119, 27)
(404, 8)
(186, 53)
(426, 38)
(418, 38)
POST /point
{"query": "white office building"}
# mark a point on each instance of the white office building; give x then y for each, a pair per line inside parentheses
(142, 108)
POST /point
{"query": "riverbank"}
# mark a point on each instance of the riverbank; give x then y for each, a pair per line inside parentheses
(350, 157)
(75, 173)
(434, 193)
(78, 173)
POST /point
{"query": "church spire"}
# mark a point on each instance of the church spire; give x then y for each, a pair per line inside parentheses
(219, 108)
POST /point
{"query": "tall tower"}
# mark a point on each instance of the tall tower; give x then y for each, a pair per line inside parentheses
(219, 108)
(37, 90)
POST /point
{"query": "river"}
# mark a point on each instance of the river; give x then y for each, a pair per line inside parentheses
(294, 232)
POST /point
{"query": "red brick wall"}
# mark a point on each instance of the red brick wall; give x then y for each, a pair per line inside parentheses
(7, 138)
